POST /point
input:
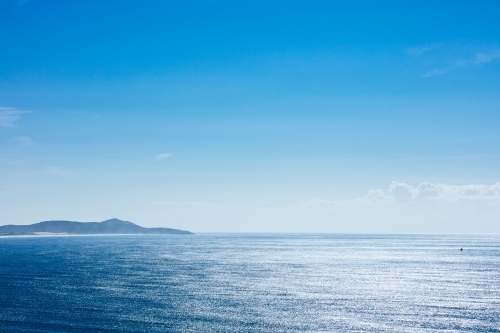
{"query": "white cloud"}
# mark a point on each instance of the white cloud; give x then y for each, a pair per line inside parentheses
(402, 193)
(8, 116)
(377, 197)
(434, 192)
(469, 192)
(162, 156)
(403, 208)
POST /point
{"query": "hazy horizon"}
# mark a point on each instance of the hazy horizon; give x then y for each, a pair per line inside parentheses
(252, 116)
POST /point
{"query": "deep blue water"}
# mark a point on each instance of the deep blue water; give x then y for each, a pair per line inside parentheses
(250, 283)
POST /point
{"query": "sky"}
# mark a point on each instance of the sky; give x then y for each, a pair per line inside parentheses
(252, 116)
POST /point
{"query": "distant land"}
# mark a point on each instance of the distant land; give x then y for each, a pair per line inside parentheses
(108, 227)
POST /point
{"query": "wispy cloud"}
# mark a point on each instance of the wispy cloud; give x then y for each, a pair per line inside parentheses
(421, 49)
(8, 116)
(182, 204)
(55, 170)
(485, 57)
(11, 162)
(21, 3)
(22, 140)
(446, 57)
(434, 72)
(372, 198)
(162, 156)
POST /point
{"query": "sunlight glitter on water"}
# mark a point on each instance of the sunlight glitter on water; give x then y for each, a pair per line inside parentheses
(251, 283)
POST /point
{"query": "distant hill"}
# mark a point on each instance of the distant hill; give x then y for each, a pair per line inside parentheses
(113, 226)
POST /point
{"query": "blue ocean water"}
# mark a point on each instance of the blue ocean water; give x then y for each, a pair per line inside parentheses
(250, 283)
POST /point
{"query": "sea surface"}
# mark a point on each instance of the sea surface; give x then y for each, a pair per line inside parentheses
(250, 283)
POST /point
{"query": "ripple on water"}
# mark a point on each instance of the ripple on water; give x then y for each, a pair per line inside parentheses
(250, 283)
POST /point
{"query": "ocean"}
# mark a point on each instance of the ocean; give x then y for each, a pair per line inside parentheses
(250, 283)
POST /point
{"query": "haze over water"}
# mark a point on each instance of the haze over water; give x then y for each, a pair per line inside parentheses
(250, 283)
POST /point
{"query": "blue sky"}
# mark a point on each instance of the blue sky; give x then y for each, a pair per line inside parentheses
(282, 116)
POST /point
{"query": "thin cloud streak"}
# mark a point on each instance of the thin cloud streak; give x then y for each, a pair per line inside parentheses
(182, 204)
(21, 3)
(482, 58)
(433, 73)
(447, 57)
(162, 156)
(419, 50)
(22, 140)
(8, 116)
(55, 170)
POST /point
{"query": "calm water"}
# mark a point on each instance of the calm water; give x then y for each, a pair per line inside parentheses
(250, 283)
